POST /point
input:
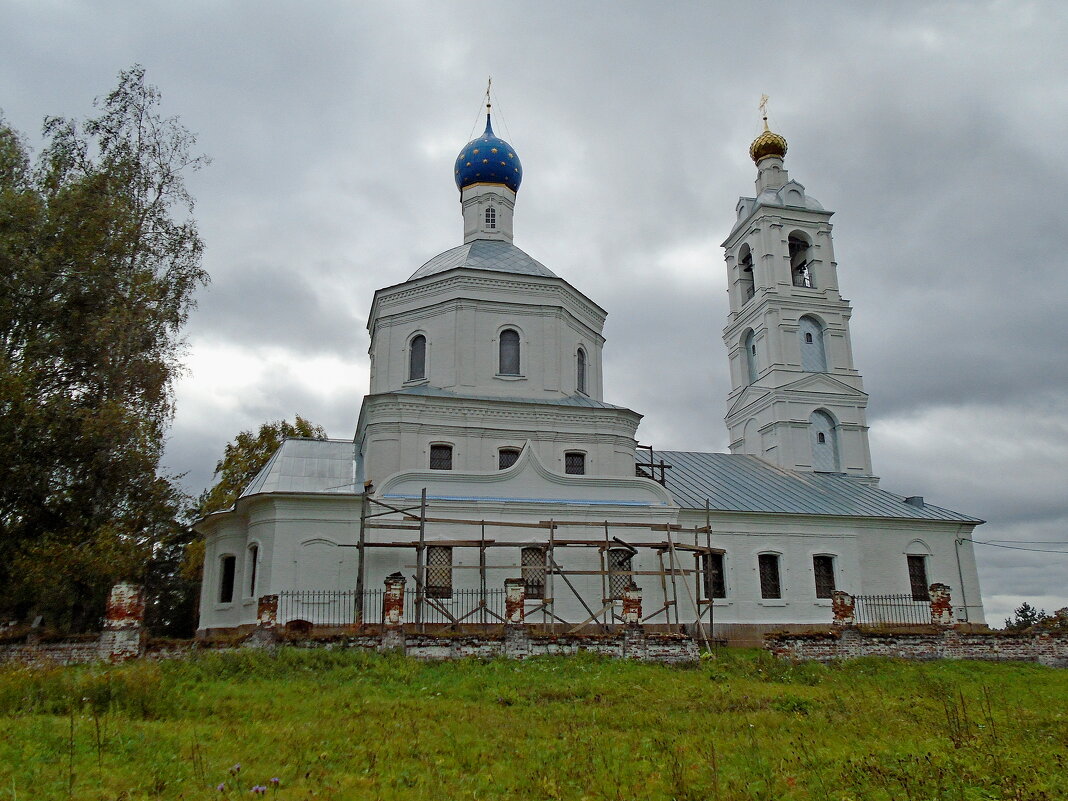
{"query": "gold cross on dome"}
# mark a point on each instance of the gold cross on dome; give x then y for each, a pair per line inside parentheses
(764, 110)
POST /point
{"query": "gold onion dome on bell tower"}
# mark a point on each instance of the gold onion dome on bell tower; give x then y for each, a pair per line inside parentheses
(767, 144)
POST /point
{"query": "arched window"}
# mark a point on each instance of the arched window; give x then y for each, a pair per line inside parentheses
(506, 457)
(800, 262)
(580, 371)
(749, 346)
(227, 570)
(491, 217)
(770, 578)
(253, 558)
(823, 573)
(745, 273)
(824, 442)
(417, 358)
(813, 350)
(509, 364)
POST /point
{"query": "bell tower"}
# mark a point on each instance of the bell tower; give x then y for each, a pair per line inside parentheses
(796, 399)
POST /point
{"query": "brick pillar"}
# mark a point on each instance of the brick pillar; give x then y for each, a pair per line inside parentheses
(632, 605)
(393, 612)
(267, 611)
(515, 596)
(123, 623)
(844, 607)
(941, 605)
(393, 601)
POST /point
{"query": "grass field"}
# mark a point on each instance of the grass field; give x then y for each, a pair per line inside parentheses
(338, 725)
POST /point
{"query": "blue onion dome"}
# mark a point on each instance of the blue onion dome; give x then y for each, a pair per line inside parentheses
(488, 160)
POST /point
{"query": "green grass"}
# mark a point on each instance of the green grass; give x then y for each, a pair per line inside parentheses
(339, 725)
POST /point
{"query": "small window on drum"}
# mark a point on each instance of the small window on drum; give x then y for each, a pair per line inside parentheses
(441, 457)
(506, 457)
(575, 463)
(491, 218)
(580, 371)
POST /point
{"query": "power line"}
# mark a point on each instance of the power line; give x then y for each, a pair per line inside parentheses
(1016, 547)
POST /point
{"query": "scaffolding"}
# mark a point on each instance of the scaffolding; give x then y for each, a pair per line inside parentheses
(670, 553)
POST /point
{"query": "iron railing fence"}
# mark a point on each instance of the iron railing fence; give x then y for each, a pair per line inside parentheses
(894, 610)
(338, 607)
(462, 607)
(328, 607)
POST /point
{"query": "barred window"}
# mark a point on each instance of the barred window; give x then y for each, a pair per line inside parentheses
(438, 571)
(714, 584)
(506, 457)
(619, 567)
(918, 577)
(770, 585)
(823, 570)
(533, 566)
(509, 363)
(441, 457)
(228, 566)
(491, 217)
(580, 370)
(417, 358)
(575, 463)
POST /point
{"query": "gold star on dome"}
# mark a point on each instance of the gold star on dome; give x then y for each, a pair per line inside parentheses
(504, 163)
(468, 164)
(485, 161)
(493, 150)
(510, 155)
(475, 151)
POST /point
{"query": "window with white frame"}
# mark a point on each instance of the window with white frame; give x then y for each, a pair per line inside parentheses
(441, 457)
(417, 358)
(509, 352)
(506, 457)
(227, 572)
(491, 217)
(823, 573)
(253, 558)
(770, 579)
(917, 564)
(715, 585)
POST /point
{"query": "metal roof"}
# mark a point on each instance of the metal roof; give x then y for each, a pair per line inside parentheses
(484, 254)
(308, 465)
(738, 483)
(571, 400)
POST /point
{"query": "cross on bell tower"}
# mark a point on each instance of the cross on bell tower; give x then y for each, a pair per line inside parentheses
(796, 399)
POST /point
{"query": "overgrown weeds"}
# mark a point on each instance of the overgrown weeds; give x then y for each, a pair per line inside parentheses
(341, 724)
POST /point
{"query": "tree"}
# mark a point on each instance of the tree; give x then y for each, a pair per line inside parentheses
(242, 461)
(99, 261)
(1025, 617)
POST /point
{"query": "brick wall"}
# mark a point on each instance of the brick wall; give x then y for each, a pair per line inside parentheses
(1044, 648)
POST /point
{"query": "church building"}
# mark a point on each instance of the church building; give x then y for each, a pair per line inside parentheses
(485, 452)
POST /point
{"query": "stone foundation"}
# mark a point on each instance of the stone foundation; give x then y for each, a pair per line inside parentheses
(1044, 648)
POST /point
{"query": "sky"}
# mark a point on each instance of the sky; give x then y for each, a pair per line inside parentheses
(931, 129)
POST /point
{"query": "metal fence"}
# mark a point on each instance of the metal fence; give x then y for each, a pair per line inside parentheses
(463, 606)
(338, 607)
(898, 610)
